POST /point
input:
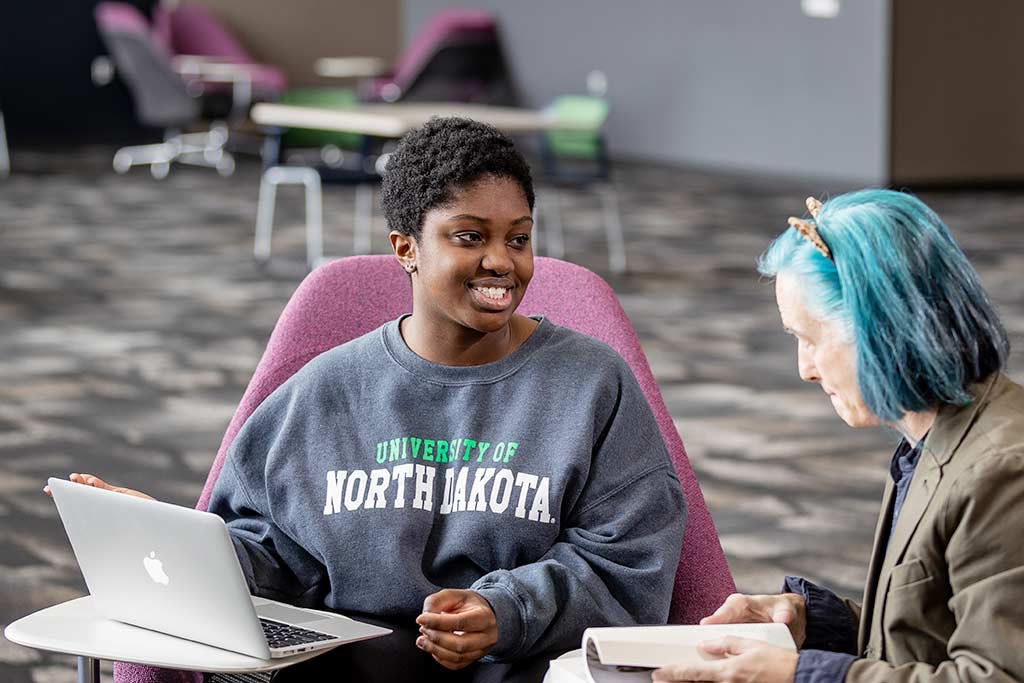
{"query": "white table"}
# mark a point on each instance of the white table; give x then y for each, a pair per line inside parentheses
(377, 120)
(75, 628)
(395, 120)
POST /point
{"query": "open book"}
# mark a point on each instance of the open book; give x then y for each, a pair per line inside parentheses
(627, 654)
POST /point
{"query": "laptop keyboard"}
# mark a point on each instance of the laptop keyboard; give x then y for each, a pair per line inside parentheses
(284, 635)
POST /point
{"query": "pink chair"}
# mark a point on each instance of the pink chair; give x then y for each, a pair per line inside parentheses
(347, 298)
(456, 56)
(194, 30)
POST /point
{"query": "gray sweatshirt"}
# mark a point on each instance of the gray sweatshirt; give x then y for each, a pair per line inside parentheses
(373, 478)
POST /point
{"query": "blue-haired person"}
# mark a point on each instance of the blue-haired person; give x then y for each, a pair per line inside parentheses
(891, 322)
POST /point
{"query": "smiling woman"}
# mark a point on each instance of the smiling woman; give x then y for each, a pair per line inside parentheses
(461, 224)
(457, 474)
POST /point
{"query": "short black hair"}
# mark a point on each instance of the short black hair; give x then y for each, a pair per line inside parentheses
(435, 161)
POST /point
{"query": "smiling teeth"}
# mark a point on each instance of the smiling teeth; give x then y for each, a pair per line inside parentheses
(497, 293)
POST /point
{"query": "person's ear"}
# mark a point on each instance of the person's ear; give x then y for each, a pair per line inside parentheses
(404, 247)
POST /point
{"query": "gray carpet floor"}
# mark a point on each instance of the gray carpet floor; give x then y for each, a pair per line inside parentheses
(132, 316)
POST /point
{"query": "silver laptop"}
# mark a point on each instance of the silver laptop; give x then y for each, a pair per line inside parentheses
(173, 569)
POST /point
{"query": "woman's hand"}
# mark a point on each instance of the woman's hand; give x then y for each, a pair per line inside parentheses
(786, 608)
(94, 481)
(458, 627)
(742, 660)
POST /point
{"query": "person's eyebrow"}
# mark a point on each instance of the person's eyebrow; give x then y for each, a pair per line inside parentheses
(468, 217)
(480, 219)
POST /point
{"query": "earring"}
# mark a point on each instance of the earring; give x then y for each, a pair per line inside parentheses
(410, 267)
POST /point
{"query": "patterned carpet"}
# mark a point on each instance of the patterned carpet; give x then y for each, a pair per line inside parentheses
(132, 315)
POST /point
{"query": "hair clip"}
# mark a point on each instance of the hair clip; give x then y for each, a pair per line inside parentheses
(809, 229)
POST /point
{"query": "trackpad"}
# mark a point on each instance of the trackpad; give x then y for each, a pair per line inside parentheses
(289, 615)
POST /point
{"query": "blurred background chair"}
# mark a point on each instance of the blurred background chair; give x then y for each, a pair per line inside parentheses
(347, 298)
(191, 32)
(169, 97)
(577, 158)
(456, 57)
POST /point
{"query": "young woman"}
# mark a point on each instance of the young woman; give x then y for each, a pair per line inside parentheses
(891, 321)
(485, 483)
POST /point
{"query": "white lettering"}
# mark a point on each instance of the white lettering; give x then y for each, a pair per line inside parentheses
(424, 498)
(335, 482)
(446, 497)
(540, 510)
(399, 474)
(460, 490)
(526, 482)
(500, 496)
(477, 495)
(353, 495)
(379, 480)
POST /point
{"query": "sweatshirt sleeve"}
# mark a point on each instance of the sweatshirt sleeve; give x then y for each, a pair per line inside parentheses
(615, 560)
(274, 564)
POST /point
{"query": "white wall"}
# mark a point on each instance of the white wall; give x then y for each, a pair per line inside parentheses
(742, 84)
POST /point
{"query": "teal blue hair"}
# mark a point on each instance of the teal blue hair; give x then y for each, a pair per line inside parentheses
(904, 293)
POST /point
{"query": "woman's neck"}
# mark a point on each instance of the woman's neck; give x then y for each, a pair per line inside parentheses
(914, 426)
(455, 345)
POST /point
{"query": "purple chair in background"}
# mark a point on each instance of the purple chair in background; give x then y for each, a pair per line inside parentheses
(163, 97)
(456, 57)
(192, 32)
(347, 298)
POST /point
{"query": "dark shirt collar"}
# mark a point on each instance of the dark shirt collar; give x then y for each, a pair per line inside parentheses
(904, 460)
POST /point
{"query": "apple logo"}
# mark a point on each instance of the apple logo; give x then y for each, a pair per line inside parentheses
(155, 569)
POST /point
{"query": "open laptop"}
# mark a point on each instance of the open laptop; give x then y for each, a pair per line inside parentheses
(174, 570)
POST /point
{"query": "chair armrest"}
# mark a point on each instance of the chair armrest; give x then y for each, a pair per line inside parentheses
(200, 69)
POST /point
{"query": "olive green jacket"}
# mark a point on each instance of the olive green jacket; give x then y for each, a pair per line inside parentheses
(944, 600)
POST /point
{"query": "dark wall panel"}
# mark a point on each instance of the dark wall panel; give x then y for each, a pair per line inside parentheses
(46, 91)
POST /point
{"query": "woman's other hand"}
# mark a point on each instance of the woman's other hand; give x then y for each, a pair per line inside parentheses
(457, 627)
(737, 660)
(785, 608)
(96, 482)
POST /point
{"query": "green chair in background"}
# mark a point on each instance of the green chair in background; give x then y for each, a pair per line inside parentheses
(331, 146)
(577, 157)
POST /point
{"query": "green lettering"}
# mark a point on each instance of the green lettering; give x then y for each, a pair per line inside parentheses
(481, 448)
(394, 449)
(405, 443)
(499, 451)
(442, 451)
(428, 449)
(468, 443)
(380, 452)
(510, 450)
(415, 446)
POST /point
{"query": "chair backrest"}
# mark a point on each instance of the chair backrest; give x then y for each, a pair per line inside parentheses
(347, 298)
(160, 95)
(457, 57)
(194, 30)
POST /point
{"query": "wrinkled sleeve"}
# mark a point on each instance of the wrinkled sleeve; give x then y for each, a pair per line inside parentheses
(831, 620)
(615, 559)
(274, 564)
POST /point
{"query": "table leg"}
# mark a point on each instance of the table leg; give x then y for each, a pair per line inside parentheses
(88, 670)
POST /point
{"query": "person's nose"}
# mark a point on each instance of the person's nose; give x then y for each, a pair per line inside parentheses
(497, 259)
(806, 367)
